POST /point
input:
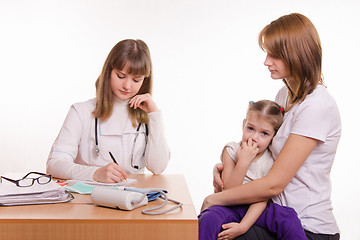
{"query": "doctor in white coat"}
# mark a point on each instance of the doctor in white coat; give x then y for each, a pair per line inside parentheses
(121, 130)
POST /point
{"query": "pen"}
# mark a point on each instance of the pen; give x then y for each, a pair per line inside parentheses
(112, 157)
(61, 183)
(114, 160)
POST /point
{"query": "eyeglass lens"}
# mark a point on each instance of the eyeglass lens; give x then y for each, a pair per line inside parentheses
(27, 182)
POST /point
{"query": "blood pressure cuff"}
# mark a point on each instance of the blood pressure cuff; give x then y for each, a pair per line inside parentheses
(151, 195)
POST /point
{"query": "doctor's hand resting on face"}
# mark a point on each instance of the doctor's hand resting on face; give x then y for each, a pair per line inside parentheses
(144, 102)
(121, 130)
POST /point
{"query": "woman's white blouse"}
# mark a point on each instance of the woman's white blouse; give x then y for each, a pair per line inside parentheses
(309, 192)
(73, 154)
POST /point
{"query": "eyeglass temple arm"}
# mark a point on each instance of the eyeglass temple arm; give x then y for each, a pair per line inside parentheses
(9, 179)
(43, 174)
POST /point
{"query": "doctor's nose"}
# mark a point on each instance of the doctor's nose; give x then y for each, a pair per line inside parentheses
(127, 84)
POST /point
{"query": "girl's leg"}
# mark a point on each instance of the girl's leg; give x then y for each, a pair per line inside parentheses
(256, 232)
(276, 222)
(211, 220)
(283, 221)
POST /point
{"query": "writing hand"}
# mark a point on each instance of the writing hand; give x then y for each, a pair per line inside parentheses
(110, 173)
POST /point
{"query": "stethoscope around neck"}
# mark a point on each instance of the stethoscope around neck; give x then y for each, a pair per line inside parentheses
(97, 150)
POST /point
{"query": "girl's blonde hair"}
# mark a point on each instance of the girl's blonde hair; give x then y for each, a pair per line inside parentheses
(294, 39)
(268, 110)
(134, 56)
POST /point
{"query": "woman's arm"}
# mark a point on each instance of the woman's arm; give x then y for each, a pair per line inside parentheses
(63, 152)
(157, 153)
(217, 180)
(294, 153)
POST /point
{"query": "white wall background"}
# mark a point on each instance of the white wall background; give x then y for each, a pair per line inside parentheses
(207, 67)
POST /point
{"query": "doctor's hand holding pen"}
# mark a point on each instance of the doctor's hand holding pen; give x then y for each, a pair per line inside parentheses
(111, 173)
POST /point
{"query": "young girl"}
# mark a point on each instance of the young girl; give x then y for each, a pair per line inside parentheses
(243, 162)
(121, 130)
(305, 145)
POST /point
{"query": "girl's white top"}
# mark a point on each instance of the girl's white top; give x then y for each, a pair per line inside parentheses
(258, 168)
(73, 154)
(309, 191)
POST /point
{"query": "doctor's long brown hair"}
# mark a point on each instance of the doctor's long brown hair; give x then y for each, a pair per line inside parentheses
(294, 39)
(134, 56)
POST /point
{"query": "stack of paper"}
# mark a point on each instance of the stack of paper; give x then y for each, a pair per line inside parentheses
(86, 187)
(11, 195)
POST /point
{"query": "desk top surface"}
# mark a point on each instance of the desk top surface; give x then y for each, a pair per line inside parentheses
(81, 208)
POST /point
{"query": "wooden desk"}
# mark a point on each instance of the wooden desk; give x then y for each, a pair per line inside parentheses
(80, 219)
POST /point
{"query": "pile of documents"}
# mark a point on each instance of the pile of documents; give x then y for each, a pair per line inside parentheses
(12, 195)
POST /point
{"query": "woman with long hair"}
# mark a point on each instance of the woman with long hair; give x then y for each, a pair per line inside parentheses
(121, 130)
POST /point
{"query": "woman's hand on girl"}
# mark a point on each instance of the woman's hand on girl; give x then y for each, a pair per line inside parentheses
(217, 181)
(144, 102)
(110, 173)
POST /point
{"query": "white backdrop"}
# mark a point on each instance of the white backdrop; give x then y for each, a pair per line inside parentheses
(207, 67)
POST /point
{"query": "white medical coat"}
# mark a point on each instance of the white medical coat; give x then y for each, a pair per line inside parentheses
(73, 154)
